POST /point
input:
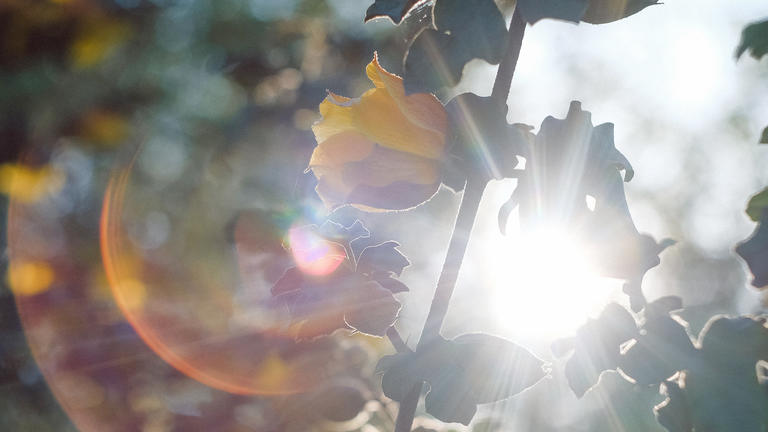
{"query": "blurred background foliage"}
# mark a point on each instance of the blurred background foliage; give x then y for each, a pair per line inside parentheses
(210, 103)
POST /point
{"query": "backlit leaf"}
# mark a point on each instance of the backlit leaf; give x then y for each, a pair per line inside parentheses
(662, 350)
(597, 347)
(673, 413)
(382, 258)
(469, 370)
(567, 10)
(482, 141)
(754, 38)
(464, 30)
(754, 251)
(340, 234)
(569, 160)
(756, 205)
(606, 11)
(722, 389)
(395, 10)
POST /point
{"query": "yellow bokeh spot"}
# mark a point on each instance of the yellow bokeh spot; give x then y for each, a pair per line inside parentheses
(273, 373)
(29, 184)
(96, 41)
(132, 293)
(28, 278)
(104, 127)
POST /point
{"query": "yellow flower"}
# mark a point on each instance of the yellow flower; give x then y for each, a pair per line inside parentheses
(381, 151)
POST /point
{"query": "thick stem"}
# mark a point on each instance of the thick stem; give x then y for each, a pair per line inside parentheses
(396, 340)
(507, 66)
(473, 192)
(470, 202)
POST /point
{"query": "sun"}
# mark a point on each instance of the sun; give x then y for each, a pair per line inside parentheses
(543, 285)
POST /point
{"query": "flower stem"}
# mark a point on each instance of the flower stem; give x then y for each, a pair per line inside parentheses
(508, 64)
(473, 193)
(470, 202)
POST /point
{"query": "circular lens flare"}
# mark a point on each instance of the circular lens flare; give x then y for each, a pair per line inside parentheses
(191, 322)
(313, 254)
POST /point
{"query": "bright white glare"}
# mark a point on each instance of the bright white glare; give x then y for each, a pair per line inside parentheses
(697, 68)
(543, 286)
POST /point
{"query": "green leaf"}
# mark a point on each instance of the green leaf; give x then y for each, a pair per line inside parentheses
(382, 258)
(722, 389)
(469, 370)
(606, 11)
(764, 136)
(465, 30)
(590, 11)
(340, 234)
(567, 10)
(395, 10)
(321, 305)
(597, 347)
(571, 159)
(754, 251)
(754, 38)
(757, 204)
(662, 350)
(482, 141)
(673, 413)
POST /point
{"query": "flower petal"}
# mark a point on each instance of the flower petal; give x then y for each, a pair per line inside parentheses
(423, 109)
(379, 118)
(394, 196)
(328, 160)
(384, 166)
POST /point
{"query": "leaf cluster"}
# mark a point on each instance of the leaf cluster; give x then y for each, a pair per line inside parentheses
(714, 384)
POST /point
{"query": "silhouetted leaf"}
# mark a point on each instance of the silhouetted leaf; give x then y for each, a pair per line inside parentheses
(757, 204)
(569, 161)
(465, 30)
(663, 348)
(291, 281)
(567, 10)
(393, 9)
(665, 305)
(469, 370)
(754, 38)
(722, 388)
(482, 141)
(358, 298)
(754, 251)
(673, 413)
(340, 234)
(319, 305)
(764, 136)
(597, 347)
(591, 11)
(374, 311)
(606, 11)
(382, 258)
(388, 282)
